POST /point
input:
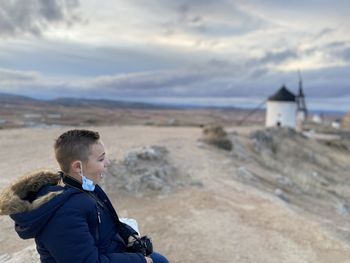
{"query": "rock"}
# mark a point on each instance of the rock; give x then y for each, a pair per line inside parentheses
(284, 181)
(198, 184)
(262, 142)
(143, 170)
(145, 153)
(244, 174)
(239, 151)
(130, 159)
(342, 209)
(281, 194)
(5, 258)
(29, 255)
(200, 145)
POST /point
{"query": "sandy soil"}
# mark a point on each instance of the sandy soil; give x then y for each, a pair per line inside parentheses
(221, 221)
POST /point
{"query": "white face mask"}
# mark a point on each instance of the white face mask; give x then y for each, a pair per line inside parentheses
(87, 184)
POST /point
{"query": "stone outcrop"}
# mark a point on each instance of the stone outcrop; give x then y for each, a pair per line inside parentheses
(143, 170)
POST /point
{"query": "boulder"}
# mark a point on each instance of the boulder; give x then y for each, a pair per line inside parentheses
(143, 170)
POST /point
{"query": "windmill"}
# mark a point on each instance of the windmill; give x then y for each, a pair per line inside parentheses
(300, 99)
(283, 108)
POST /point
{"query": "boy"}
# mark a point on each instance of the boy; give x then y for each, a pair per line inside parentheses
(68, 214)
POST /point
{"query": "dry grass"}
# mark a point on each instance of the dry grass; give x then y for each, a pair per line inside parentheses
(216, 135)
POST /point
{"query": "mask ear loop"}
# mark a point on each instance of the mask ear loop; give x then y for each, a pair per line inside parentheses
(81, 169)
(86, 183)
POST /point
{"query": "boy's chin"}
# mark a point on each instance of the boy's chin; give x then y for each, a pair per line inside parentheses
(98, 179)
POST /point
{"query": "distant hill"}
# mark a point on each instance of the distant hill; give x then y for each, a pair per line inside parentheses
(22, 111)
(75, 102)
(16, 99)
(103, 103)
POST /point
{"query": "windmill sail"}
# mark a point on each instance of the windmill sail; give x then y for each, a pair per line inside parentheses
(301, 105)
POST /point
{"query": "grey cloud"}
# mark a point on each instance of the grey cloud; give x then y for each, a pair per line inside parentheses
(333, 49)
(336, 44)
(8, 76)
(324, 32)
(338, 50)
(152, 80)
(219, 63)
(275, 57)
(202, 82)
(34, 16)
(203, 18)
(344, 54)
(50, 10)
(258, 73)
(243, 69)
(217, 78)
(222, 19)
(34, 84)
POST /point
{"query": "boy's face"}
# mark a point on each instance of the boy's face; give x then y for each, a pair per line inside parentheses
(96, 163)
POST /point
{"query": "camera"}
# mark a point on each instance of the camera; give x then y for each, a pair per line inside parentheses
(141, 245)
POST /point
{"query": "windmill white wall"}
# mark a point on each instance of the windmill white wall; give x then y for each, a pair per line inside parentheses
(280, 113)
(281, 109)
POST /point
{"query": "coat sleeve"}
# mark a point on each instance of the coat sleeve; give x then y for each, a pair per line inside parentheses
(67, 238)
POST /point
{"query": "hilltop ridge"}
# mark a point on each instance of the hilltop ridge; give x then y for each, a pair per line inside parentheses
(279, 193)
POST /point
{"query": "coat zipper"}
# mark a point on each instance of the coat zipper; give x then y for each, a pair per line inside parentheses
(99, 216)
(98, 225)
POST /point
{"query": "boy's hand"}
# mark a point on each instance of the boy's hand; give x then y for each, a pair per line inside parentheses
(131, 239)
(148, 260)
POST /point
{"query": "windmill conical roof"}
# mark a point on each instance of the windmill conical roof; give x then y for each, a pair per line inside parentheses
(283, 94)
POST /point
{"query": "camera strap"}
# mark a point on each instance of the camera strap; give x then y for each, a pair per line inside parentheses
(122, 230)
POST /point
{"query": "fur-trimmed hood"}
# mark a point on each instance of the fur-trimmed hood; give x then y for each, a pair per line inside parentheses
(16, 198)
(32, 200)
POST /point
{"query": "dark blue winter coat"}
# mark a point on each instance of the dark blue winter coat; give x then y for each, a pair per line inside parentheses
(68, 224)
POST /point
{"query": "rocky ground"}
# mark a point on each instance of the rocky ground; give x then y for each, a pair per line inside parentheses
(276, 196)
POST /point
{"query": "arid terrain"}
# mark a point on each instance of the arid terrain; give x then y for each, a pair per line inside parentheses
(277, 196)
(19, 111)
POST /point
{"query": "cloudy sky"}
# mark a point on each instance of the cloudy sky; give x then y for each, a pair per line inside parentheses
(223, 52)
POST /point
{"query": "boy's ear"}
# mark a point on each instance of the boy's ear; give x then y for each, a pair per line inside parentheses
(76, 166)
